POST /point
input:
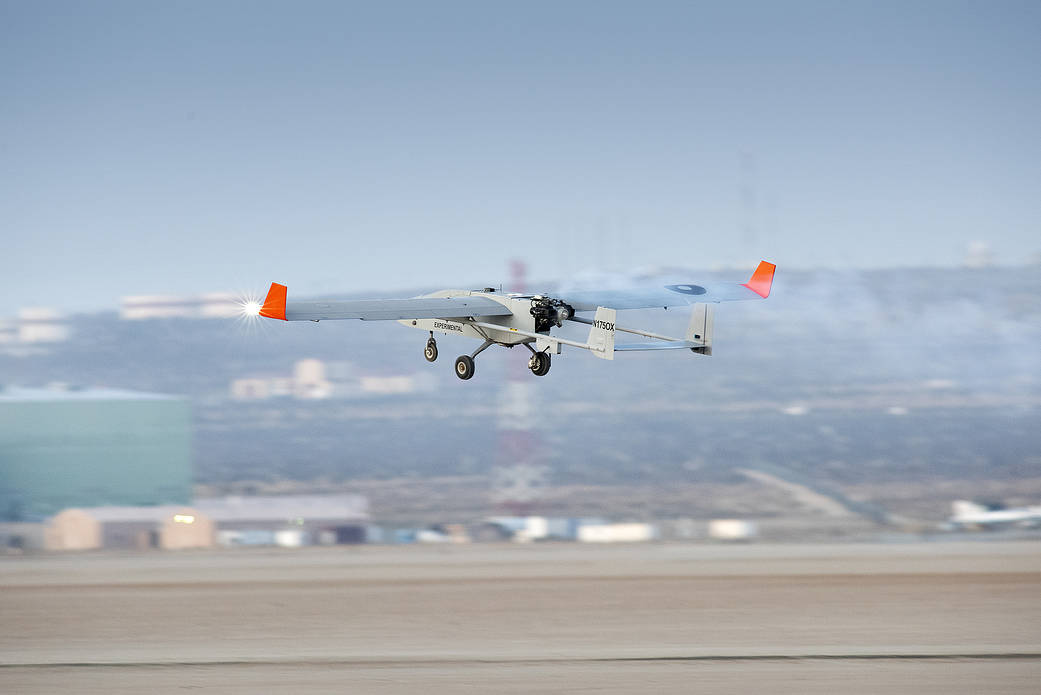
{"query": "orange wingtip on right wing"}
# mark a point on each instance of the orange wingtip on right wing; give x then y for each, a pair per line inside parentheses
(762, 279)
(275, 302)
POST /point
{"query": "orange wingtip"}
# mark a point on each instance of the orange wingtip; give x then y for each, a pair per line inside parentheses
(275, 302)
(762, 279)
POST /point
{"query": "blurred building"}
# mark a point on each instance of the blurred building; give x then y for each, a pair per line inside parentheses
(524, 529)
(437, 533)
(732, 529)
(33, 326)
(164, 527)
(19, 536)
(216, 305)
(617, 533)
(41, 325)
(386, 385)
(289, 520)
(252, 389)
(67, 447)
(315, 379)
(309, 379)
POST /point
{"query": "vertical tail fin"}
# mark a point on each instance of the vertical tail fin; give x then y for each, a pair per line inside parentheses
(275, 302)
(700, 328)
(601, 335)
(762, 279)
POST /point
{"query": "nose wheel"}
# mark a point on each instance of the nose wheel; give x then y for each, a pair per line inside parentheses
(539, 363)
(430, 351)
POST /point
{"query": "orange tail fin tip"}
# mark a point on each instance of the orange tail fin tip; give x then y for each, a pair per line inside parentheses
(275, 302)
(762, 279)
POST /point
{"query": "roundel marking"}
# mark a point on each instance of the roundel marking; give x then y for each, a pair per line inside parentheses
(687, 289)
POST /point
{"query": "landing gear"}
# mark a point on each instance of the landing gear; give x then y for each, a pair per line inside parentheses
(464, 367)
(464, 364)
(430, 351)
(539, 363)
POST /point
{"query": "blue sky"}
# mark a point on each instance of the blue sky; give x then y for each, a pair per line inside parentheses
(186, 147)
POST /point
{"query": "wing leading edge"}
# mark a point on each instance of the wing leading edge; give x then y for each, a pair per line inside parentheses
(276, 307)
(757, 287)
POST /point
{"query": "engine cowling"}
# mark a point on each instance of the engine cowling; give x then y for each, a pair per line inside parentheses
(549, 312)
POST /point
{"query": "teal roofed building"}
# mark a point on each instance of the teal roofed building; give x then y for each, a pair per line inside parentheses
(62, 448)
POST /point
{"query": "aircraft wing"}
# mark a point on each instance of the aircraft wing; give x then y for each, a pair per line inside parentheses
(758, 287)
(276, 307)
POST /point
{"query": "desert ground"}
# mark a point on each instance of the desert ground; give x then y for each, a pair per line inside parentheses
(924, 617)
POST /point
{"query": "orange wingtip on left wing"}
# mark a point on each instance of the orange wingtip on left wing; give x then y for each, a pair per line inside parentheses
(762, 279)
(275, 302)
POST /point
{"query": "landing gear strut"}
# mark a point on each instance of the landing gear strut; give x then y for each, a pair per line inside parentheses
(430, 351)
(464, 364)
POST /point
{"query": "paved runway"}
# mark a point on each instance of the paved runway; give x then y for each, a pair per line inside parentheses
(925, 617)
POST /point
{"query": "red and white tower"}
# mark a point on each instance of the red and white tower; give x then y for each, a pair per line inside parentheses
(519, 476)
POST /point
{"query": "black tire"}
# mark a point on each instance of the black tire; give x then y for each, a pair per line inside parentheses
(539, 364)
(430, 351)
(464, 367)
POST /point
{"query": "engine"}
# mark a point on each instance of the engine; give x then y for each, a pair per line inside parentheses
(549, 312)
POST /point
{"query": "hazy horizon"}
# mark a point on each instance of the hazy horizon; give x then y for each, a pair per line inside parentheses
(189, 148)
(586, 278)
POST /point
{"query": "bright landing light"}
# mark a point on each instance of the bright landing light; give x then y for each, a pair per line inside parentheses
(251, 308)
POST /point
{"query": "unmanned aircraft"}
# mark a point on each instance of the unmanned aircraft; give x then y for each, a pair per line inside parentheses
(528, 319)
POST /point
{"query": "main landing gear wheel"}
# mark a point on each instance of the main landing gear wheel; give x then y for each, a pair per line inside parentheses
(430, 351)
(464, 367)
(539, 363)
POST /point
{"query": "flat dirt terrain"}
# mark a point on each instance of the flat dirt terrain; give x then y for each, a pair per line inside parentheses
(900, 618)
